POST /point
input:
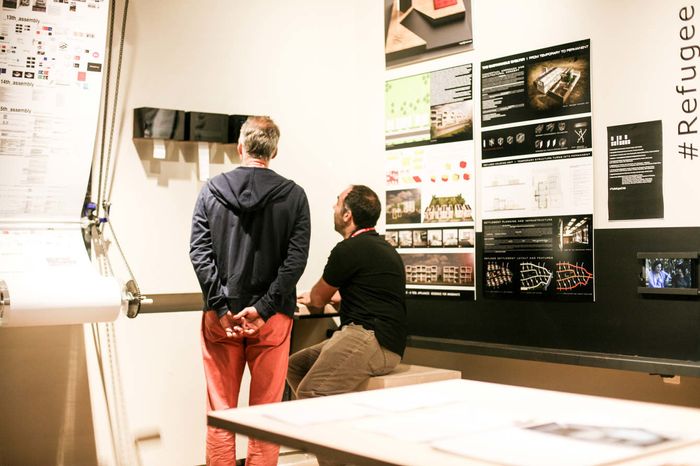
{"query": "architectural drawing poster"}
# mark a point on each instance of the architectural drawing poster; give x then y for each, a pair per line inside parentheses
(425, 29)
(430, 180)
(537, 174)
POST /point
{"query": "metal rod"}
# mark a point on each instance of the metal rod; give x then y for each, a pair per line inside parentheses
(174, 302)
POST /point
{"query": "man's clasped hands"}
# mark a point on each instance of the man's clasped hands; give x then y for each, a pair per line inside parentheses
(244, 324)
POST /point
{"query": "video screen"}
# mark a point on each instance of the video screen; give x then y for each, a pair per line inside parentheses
(670, 272)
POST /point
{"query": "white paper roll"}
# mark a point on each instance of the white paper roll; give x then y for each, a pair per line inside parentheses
(61, 300)
(50, 280)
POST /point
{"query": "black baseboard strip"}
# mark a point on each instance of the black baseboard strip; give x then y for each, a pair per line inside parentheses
(664, 367)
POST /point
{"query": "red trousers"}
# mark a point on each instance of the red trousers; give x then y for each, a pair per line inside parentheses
(267, 356)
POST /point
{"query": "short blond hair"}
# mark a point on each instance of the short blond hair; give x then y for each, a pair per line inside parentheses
(259, 137)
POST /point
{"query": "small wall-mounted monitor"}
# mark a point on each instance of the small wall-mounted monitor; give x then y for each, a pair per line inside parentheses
(669, 273)
(159, 123)
(207, 127)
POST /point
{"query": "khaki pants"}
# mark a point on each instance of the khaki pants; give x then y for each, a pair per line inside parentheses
(339, 364)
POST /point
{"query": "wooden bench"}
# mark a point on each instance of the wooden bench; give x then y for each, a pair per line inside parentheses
(408, 374)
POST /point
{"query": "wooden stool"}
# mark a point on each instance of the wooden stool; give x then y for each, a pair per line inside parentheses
(408, 374)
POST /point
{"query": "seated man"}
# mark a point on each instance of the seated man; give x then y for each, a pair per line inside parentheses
(370, 276)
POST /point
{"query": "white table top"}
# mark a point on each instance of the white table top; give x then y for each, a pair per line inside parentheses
(462, 422)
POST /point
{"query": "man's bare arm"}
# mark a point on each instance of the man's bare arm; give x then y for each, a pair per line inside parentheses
(321, 294)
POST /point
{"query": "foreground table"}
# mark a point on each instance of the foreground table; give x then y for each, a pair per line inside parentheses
(461, 422)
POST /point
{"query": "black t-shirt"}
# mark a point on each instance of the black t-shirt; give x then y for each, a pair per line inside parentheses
(372, 281)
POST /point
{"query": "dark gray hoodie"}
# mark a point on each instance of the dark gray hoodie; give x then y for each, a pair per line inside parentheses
(250, 241)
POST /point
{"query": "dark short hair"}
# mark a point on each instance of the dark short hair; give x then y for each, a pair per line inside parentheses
(259, 136)
(657, 262)
(364, 205)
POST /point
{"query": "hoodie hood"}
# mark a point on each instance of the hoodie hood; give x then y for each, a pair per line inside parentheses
(249, 188)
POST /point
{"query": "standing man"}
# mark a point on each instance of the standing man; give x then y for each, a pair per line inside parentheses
(249, 246)
(370, 276)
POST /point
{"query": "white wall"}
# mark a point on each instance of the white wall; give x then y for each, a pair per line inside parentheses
(317, 67)
(314, 66)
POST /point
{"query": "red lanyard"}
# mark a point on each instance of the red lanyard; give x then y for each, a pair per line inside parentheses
(359, 232)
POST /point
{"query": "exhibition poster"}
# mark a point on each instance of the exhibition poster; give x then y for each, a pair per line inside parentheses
(537, 174)
(429, 108)
(418, 30)
(635, 171)
(430, 180)
(544, 83)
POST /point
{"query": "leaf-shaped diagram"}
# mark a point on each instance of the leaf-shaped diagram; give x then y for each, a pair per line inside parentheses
(534, 276)
(570, 276)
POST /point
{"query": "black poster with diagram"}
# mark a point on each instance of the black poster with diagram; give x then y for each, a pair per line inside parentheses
(539, 257)
(545, 83)
(550, 136)
(635, 171)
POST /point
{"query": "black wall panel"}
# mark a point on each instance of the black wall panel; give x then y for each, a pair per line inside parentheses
(619, 322)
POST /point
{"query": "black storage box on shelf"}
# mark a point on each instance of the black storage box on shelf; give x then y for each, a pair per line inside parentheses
(159, 123)
(234, 126)
(207, 127)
